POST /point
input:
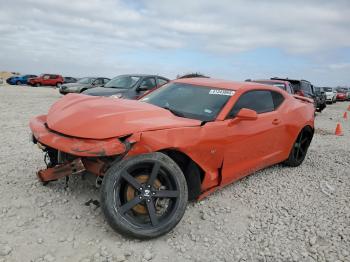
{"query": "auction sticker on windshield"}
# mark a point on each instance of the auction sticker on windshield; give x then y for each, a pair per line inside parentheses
(221, 92)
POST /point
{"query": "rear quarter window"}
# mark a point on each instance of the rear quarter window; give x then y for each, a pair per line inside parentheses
(277, 99)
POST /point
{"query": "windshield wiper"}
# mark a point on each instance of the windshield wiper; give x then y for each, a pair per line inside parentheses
(177, 113)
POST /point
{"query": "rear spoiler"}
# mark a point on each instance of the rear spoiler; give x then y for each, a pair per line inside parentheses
(304, 99)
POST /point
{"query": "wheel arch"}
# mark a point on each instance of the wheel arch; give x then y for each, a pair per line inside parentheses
(194, 174)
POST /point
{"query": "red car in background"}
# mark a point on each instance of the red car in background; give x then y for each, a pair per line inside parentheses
(341, 94)
(46, 80)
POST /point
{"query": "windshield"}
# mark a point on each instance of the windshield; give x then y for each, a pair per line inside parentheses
(85, 80)
(328, 89)
(123, 82)
(190, 101)
(342, 90)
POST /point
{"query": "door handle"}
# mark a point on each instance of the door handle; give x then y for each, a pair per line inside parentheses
(276, 121)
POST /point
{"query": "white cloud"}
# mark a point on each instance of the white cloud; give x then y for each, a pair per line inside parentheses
(83, 33)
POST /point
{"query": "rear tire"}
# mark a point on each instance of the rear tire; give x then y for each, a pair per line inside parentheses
(37, 84)
(144, 196)
(300, 147)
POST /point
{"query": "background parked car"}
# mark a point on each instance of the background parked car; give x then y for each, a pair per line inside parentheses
(83, 84)
(347, 92)
(320, 99)
(128, 86)
(342, 94)
(46, 80)
(69, 79)
(19, 80)
(300, 87)
(284, 85)
(331, 94)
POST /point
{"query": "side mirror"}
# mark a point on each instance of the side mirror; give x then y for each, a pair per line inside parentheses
(142, 88)
(247, 114)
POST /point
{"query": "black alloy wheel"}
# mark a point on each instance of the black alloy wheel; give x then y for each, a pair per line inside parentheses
(144, 196)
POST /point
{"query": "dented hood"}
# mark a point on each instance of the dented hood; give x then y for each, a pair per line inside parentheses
(103, 117)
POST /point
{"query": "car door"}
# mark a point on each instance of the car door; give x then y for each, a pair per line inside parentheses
(253, 145)
(46, 80)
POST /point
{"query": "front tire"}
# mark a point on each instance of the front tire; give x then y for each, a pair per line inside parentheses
(37, 84)
(58, 85)
(144, 196)
(18, 83)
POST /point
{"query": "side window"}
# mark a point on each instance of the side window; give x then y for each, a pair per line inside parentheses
(53, 76)
(162, 81)
(98, 81)
(149, 83)
(260, 101)
(306, 87)
(46, 77)
(289, 89)
(105, 80)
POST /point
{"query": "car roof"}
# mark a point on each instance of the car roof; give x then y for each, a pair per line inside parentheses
(143, 75)
(217, 83)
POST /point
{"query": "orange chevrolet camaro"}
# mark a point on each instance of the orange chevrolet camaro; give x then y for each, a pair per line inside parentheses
(180, 142)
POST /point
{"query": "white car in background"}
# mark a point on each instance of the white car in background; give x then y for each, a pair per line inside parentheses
(331, 94)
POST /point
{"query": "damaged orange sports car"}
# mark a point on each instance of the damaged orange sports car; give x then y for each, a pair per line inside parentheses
(178, 143)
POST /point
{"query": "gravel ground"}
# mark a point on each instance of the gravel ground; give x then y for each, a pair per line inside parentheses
(278, 214)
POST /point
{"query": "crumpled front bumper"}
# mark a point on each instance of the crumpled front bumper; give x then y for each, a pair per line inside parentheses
(82, 147)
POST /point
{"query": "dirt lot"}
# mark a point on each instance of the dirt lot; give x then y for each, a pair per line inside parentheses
(278, 214)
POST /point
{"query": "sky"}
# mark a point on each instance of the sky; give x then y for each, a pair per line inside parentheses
(228, 39)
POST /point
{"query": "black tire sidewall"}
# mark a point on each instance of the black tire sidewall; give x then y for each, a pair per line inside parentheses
(291, 161)
(117, 221)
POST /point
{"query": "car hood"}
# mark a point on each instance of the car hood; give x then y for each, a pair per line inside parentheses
(104, 91)
(101, 117)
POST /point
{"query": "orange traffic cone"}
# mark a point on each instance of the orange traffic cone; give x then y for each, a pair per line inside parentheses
(338, 130)
(345, 116)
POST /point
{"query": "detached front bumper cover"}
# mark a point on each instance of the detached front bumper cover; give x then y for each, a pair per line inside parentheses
(83, 147)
